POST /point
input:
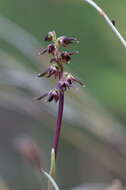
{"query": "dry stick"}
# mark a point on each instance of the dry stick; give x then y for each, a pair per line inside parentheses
(108, 20)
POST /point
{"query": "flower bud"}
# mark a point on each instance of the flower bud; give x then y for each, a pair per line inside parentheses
(51, 36)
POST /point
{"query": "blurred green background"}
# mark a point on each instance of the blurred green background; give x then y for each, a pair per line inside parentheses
(93, 146)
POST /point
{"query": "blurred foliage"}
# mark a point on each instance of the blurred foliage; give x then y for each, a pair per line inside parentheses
(93, 136)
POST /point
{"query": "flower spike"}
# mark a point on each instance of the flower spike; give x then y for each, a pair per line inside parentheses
(65, 80)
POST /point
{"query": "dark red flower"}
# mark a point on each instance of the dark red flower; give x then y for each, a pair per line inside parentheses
(51, 48)
(52, 70)
(63, 84)
(51, 95)
(63, 57)
(72, 79)
(66, 56)
(66, 82)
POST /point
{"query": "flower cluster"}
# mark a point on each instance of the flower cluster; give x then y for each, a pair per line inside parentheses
(56, 69)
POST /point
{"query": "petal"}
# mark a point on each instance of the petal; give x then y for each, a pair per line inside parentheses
(42, 51)
(50, 98)
(41, 97)
(78, 81)
(42, 74)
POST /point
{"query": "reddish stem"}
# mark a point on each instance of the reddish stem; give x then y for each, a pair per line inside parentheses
(58, 123)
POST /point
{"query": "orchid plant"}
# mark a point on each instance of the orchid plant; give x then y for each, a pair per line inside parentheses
(65, 81)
